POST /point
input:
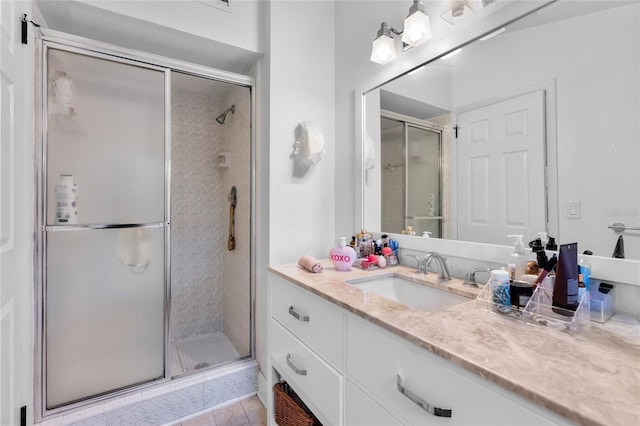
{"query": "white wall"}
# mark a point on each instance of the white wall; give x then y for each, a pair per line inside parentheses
(301, 89)
(191, 31)
(240, 27)
(435, 90)
(296, 83)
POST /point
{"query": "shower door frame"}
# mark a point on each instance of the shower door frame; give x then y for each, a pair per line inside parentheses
(408, 121)
(46, 39)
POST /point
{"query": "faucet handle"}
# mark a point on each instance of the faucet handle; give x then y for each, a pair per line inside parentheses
(419, 267)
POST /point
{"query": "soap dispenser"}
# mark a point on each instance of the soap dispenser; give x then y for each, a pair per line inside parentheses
(342, 255)
(518, 258)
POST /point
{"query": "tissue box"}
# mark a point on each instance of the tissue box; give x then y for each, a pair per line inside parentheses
(602, 303)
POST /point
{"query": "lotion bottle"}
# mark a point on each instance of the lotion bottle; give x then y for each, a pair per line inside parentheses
(518, 257)
(342, 255)
(66, 201)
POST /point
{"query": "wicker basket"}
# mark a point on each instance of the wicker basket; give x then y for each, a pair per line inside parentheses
(289, 408)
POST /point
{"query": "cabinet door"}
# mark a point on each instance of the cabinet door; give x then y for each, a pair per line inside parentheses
(360, 410)
(376, 359)
(315, 381)
(314, 321)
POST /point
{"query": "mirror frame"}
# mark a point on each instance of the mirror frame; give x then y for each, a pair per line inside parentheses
(618, 270)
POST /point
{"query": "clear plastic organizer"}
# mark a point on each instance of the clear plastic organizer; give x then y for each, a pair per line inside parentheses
(539, 310)
(602, 304)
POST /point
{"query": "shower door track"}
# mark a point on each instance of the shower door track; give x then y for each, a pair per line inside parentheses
(49, 38)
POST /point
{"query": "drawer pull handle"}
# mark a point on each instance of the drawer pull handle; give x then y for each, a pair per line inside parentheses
(436, 411)
(297, 316)
(298, 371)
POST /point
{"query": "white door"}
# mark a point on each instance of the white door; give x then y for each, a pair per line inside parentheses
(501, 170)
(16, 192)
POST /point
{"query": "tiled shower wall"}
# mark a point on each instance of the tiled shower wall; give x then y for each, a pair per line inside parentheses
(236, 140)
(198, 217)
(210, 285)
(392, 143)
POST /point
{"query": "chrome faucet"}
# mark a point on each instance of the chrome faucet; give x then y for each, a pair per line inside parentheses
(440, 260)
(470, 277)
(420, 265)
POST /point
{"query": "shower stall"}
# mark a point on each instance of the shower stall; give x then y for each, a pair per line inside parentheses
(138, 283)
(411, 155)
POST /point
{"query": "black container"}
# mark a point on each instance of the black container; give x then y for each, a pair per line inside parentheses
(565, 289)
(521, 292)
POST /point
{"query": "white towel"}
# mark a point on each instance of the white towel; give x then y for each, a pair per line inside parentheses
(309, 145)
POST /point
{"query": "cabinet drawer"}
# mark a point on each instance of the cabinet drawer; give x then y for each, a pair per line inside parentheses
(315, 381)
(360, 410)
(375, 359)
(314, 321)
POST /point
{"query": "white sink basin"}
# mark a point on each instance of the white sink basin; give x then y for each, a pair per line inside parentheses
(408, 293)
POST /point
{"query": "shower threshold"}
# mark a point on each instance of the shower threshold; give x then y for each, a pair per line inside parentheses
(201, 352)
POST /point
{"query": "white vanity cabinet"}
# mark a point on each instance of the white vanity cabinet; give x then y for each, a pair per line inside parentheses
(400, 375)
(306, 347)
(350, 371)
(361, 410)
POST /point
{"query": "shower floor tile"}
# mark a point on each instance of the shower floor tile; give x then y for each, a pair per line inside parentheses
(201, 352)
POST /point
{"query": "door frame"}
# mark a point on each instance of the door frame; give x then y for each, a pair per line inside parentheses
(550, 152)
(46, 38)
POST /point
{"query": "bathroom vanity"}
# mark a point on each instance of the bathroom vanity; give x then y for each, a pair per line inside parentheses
(357, 358)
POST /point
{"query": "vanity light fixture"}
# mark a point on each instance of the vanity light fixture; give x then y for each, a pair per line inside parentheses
(417, 27)
(417, 30)
(455, 11)
(383, 49)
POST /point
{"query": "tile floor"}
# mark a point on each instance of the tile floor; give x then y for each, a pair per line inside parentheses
(248, 412)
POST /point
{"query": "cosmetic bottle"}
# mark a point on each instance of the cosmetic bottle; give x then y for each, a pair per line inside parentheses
(618, 252)
(585, 268)
(518, 257)
(582, 288)
(363, 243)
(353, 242)
(548, 267)
(537, 247)
(565, 289)
(520, 293)
(342, 255)
(499, 285)
(66, 201)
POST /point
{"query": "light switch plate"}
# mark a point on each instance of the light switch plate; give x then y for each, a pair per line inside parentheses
(573, 209)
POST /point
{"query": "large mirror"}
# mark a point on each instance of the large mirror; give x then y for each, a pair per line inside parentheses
(534, 129)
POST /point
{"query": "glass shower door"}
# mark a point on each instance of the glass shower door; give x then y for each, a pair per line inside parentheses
(104, 225)
(423, 186)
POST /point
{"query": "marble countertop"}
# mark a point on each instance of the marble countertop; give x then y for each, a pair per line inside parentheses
(590, 378)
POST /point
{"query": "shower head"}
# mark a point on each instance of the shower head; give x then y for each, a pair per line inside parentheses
(220, 119)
